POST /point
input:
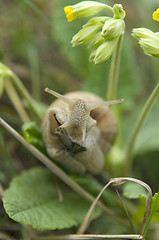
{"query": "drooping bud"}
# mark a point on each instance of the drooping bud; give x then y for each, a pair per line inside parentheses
(84, 9)
(148, 40)
(150, 46)
(104, 51)
(88, 31)
(113, 28)
(142, 33)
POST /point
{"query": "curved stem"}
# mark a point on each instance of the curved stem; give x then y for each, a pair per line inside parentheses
(138, 126)
(114, 70)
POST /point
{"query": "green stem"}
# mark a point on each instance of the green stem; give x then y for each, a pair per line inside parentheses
(114, 70)
(138, 126)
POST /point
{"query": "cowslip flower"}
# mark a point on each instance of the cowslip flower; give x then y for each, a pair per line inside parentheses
(101, 33)
(88, 31)
(84, 9)
(155, 15)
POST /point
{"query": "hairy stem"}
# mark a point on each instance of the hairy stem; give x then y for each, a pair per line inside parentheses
(138, 125)
(114, 70)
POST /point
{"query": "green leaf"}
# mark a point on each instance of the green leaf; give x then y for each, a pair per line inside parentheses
(32, 199)
(32, 134)
(134, 190)
(154, 215)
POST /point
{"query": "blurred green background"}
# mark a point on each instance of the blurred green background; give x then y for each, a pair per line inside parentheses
(35, 43)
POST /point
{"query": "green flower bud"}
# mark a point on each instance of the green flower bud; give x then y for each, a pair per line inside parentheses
(88, 31)
(92, 56)
(148, 40)
(104, 51)
(119, 12)
(150, 46)
(113, 28)
(142, 33)
(97, 40)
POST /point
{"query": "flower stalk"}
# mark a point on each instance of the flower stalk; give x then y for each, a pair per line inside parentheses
(114, 70)
(138, 125)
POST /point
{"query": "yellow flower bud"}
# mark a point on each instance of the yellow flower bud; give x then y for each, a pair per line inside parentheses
(70, 15)
(84, 9)
(155, 15)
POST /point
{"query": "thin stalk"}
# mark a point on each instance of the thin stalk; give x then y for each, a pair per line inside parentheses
(27, 96)
(17, 103)
(92, 236)
(114, 70)
(138, 126)
(59, 172)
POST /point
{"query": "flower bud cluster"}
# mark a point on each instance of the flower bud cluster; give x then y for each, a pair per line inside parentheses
(101, 33)
(148, 40)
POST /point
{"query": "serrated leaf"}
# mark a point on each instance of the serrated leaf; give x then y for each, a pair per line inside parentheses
(32, 199)
(134, 190)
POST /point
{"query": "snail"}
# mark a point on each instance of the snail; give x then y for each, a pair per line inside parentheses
(78, 131)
